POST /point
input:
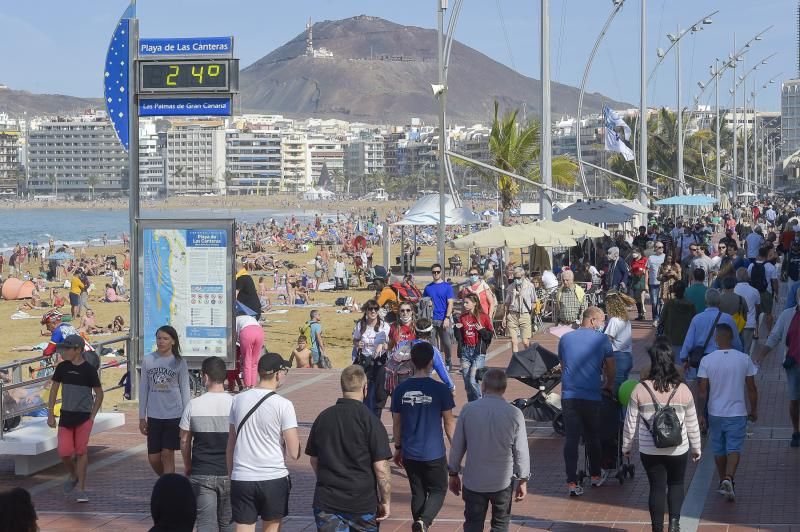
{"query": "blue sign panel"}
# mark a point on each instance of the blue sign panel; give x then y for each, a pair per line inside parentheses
(185, 107)
(115, 82)
(219, 46)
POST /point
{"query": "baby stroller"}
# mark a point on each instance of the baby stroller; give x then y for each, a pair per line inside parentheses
(373, 274)
(611, 458)
(538, 368)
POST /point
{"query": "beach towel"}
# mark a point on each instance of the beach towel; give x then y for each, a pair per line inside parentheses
(21, 315)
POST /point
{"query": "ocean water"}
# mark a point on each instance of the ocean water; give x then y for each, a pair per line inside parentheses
(77, 226)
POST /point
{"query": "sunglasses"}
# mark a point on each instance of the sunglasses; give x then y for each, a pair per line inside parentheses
(406, 310)
(436, 272)
(372, 309)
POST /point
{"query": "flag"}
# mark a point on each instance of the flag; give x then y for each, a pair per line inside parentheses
(615, 142)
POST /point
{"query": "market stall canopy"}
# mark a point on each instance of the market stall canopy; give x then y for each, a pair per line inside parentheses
(691, 200)
(633, 204)
(514, 236)
(426, 212)
(573, 228)
(596, 212)
(315, 194)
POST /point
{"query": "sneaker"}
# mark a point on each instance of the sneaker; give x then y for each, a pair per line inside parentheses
(574, 490)
(795, 440)
(599, 481)
(655, 324)
(418, 526)
(80, 496)
(727, 488)
(69, 484)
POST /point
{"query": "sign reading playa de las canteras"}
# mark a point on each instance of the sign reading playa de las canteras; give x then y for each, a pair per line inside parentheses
(187, 283)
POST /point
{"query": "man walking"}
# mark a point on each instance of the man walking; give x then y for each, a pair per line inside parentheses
(764, 278)
(701, 330)
(421, 409)
(520, 299)
(727, 371)
(787, 333)
(753, 300)
(654, 263)
(570, 300)
(312, 330)
(204, 440)
(585, 355)
(349, 451)
(263, 426)
(492, 434)
(78, 410)
(442, 296)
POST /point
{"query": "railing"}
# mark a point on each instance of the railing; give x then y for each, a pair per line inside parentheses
(23, 397)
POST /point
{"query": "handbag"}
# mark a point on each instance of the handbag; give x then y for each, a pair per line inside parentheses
(252, 411)
(696, 354)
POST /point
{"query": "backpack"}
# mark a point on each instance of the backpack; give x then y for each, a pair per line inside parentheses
(425, 308)
(758, 276)
(666, 427)
(305, 330)
(399, 366)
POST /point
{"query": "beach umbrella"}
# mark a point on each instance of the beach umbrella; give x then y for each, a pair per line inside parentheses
(61, 255)
(691, 200)
(574, 228)
(515, 236)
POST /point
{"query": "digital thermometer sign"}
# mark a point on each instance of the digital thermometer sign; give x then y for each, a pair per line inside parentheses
(188, 76)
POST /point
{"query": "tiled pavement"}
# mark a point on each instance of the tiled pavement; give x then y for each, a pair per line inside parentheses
(767, 488)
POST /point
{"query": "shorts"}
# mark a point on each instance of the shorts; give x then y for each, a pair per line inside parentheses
(766, 302)
(727, 434)
(315, 356)
(519, 323)
(268, 499)
(793, 382)
(74, 440)
(74, 300)
(163, 434)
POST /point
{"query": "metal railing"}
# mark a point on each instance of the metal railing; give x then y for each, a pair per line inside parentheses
(18, 383)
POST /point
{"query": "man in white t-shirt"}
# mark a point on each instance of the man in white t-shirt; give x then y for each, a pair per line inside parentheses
(771, 276)
(654, 262)
(752, 242)
(753, 300)
(727, 372)
(262, 425)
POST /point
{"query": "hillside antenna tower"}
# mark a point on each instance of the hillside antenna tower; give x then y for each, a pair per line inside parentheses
(310, 38)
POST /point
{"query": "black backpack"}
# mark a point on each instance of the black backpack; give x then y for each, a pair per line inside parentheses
(758, 276)
(666, 427)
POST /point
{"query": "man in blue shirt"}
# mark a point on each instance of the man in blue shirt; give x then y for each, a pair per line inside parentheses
(442, 297)
(421, 407)
(701, 327)
(585, 355)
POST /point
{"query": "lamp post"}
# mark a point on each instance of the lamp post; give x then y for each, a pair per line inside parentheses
(643, 103)
(546, 165)
(441, 7)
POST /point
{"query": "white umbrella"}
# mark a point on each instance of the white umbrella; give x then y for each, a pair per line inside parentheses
(515, 236)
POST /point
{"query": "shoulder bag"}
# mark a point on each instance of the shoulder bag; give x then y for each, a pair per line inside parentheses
(697, 353)
(251, 412)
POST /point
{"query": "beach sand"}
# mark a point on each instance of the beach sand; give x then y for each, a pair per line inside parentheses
(280, 330)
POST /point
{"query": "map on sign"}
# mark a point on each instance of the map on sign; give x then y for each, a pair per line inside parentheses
(187, 284)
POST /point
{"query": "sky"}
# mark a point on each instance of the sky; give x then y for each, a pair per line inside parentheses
(57, 46)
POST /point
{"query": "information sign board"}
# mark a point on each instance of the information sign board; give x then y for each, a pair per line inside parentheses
(185, 106)
(183, 46)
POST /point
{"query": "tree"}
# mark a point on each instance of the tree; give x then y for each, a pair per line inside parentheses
(516, 148)
(92, 181)
(180, 172)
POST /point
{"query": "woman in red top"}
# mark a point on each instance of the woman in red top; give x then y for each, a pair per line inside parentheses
(474, 331)
(638, 280)
(403, 329)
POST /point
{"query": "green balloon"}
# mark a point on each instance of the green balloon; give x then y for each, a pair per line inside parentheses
(625, 391)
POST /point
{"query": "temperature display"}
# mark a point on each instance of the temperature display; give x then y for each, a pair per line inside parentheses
(183, 76)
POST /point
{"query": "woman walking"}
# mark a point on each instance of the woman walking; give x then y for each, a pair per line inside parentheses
(618, 331)
(163, 394)
(403, 330)
(676, 316)
(474, 332)
(250, 340)
(638, 281)
(370, 341)
(665, 466)
(668, 274)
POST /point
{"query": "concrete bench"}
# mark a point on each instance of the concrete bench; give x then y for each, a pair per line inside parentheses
(33, 445)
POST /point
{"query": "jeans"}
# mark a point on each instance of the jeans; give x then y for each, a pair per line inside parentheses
(342, 522)
(445, 339)
(428, 481)
(213, 503)
(476, 504)
(747, 338)
(376, 389)
(581, 418)
(655, 299)
(665, 474)
(624, 363)
(471, 362)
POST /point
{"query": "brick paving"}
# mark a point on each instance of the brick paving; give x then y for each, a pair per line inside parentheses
(121, 480)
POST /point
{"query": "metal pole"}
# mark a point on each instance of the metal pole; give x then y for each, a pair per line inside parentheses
(442, 5)
(755, 136)
(735, 152)
(719, 169)
(745, 170)
(681, 183)
(546, 202)
(135, 355)
(643, 105)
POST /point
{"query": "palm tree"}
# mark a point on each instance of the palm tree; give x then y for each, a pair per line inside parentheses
(516, 148)
(180, 172)
(92, 181)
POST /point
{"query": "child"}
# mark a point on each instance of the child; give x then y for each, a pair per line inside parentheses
(301, 353)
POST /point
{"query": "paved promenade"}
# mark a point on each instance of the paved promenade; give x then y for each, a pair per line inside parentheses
(768, 481)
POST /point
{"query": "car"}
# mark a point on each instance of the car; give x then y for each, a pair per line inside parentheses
(416, 398)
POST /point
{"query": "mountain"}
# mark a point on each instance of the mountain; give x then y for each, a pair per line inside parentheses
(16, 102)
(381, 72)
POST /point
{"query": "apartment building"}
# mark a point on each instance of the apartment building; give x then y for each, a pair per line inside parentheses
(196, 158)
(253, 159)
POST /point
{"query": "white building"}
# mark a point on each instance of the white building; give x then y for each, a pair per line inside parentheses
(364, 156)
(328, 152)
(295, 163)
(790, 117)
(253, 160)
(75, 156)
(151, 161)
(196, 158)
